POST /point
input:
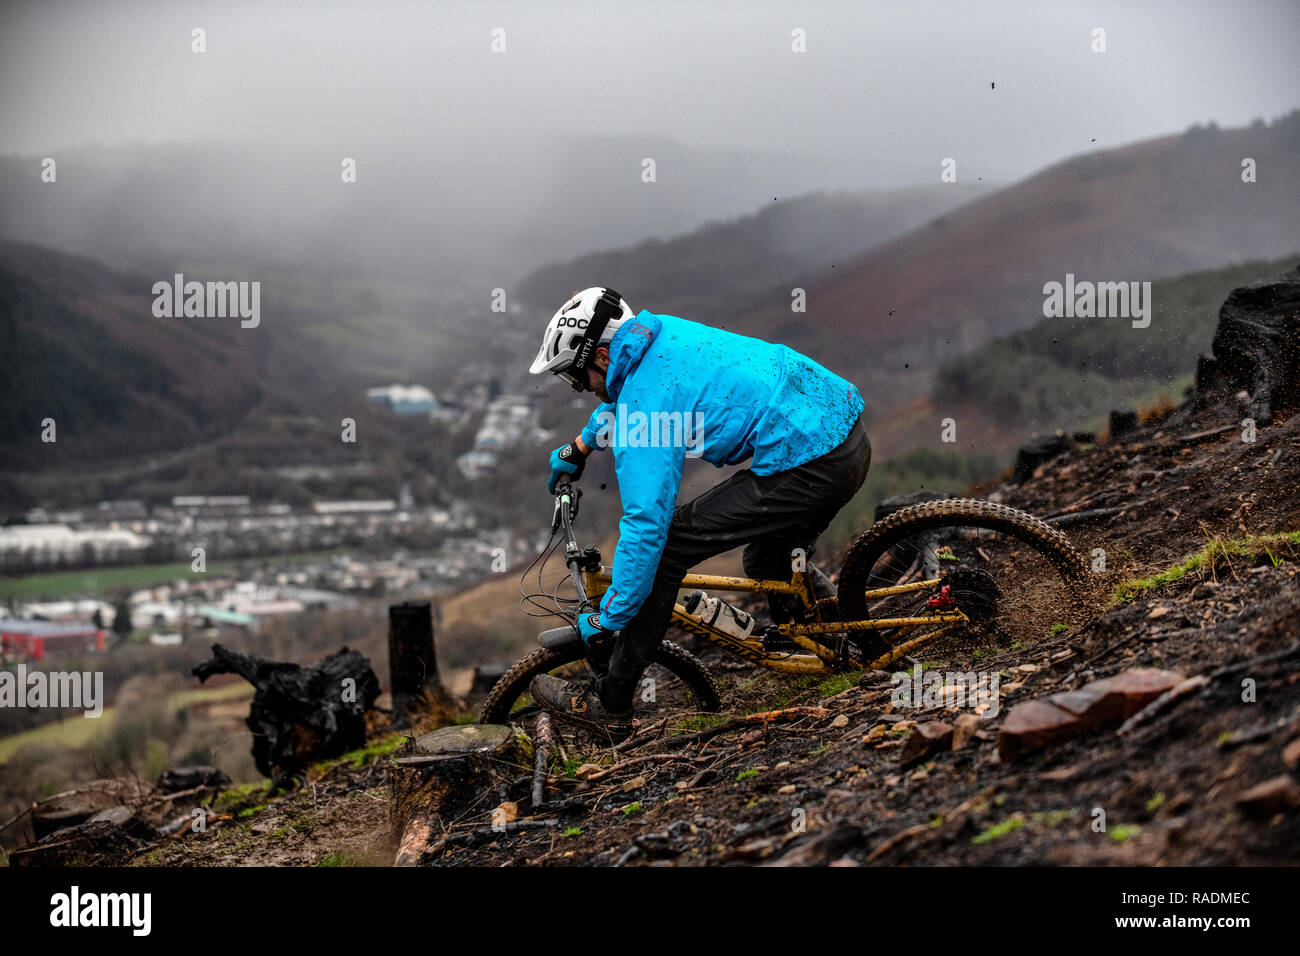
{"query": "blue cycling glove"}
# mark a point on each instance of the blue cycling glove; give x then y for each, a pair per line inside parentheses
(589, 628)
(565, 460)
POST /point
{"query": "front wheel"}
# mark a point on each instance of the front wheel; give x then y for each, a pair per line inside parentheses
(1016, 577)
(508, 701)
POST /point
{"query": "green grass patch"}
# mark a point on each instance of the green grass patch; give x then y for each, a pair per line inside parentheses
(1217, 554)
(569, 767)
(572, 832)
(837, 684)
(241, 794)
(809, 687)
(1120, 832)
(746, 775)
(1011, 823)
(631, 808)
(694, 723)
(1053, 817)
(357, 759)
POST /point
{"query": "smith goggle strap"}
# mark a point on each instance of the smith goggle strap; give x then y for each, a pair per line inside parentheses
(607, 307)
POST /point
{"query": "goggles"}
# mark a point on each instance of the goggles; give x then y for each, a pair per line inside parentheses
(572, 379)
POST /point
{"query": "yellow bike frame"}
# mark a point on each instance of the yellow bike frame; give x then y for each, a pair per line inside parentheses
(819, 658)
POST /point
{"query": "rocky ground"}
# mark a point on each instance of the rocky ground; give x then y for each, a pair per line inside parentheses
(839, 774)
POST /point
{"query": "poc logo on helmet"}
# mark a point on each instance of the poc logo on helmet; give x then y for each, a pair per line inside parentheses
(572, 322)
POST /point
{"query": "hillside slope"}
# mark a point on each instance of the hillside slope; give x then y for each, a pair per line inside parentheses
(1180, 787)
(890, 316)
(716, 272)
(80, 346)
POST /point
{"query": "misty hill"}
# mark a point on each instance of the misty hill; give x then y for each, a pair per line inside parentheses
(1069, 372)
(151, 406)
(464, 215)
(719, 270)
(80, 346)
(891, 316)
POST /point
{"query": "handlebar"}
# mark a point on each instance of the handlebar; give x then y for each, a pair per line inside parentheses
(577, 561)
(566, 509)
(557, 636)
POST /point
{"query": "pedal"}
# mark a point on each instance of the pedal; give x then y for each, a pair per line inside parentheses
(774, 640)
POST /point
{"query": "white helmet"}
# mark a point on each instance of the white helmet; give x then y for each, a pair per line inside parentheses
(587, 321)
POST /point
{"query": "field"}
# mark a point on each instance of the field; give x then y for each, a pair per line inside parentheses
(100, 581)
(77, 731)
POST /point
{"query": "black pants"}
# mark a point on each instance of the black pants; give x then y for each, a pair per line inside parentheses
(772, 514)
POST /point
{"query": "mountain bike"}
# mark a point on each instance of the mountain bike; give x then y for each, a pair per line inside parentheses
(944, 568)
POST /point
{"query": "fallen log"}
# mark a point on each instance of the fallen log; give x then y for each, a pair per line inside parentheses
(484, 835)
(77, 806)
(87, 844)
(542, 746)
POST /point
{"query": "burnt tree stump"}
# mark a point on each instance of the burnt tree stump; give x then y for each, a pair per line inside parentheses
(452, 774)
(1038, 451)
(413, 663)
(300, 715)
(1122, 424)
(1256, 347)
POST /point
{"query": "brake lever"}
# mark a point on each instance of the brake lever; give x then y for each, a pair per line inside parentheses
(575, 496)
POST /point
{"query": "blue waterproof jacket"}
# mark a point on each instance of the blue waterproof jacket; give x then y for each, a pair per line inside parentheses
(683, 389)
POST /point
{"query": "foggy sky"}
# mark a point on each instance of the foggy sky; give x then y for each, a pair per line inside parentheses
(907, 79)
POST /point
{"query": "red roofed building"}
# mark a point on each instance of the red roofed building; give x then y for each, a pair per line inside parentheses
(38, 640)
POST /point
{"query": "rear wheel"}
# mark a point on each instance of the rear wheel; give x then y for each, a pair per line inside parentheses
(680, 679)
(1015, 577)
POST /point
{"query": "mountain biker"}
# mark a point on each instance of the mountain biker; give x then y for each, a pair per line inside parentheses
(738, 398)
